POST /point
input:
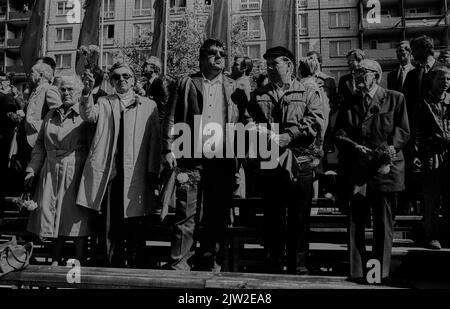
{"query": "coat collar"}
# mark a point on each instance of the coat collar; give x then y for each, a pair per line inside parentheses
(269, 89)
(375, 105)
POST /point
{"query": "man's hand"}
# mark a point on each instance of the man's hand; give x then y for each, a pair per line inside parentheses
(170, 160)
(281, 140)
(362, 149)
(88, 81)
(29, 180)
(392, 152)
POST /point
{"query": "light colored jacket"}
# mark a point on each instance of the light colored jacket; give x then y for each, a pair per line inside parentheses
(141, 153)
(44, 98)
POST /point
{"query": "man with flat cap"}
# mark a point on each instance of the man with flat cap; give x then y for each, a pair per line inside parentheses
(297, 110)
(373, 119)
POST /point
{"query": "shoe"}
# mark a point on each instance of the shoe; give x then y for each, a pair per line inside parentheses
(434, 245)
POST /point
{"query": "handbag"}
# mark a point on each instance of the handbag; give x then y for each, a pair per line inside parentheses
(14, 257)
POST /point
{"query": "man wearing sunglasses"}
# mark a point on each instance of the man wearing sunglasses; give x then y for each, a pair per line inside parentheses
(202, 99)
(372, 118)
(123, 163)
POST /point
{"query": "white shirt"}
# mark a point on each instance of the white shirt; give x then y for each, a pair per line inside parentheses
(212, 124)
(406, 69)
(429, 64)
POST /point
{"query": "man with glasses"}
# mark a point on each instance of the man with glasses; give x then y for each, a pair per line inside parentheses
(123, 163)
(205, 99)
(297, 109)
(372, 118)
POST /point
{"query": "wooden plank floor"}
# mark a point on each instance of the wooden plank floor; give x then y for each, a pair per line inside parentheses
(47, 276)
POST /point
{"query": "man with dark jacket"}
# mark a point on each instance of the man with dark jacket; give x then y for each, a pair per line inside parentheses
(157, 86)
(203, 100)
(347, 87)
(396, 78)
(432, 141)
(371, 119)
(298, 112)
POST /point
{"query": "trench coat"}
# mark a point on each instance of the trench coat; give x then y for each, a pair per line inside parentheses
(141, 153)
(58, 158)
(386, 124)
(44, 98)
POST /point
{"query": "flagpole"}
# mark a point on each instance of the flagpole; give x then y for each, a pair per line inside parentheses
(45, 29)
(297, 32)
(229, 29)
(102, 19)
(165, 27)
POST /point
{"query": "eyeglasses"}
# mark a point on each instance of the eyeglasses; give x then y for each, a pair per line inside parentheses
(360, 72)
(213, 52)
(64, 89)
(117, 77)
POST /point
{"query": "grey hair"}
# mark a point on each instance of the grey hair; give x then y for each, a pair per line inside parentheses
(44, 70)
(75, 80)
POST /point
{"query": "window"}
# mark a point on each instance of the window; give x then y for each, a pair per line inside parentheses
(109, 8)
(177, 6)
(303, 3)
(64, 7)
(142, 31)
(254, 51)
(303, 23)
(339, 20)
(108, 34)
(63, 61)
(253, 27)
(64, 34)
(419, 11)
(304, 48)
(142, 7)
(107, 61)
(250, 4)
(382, 44)
(339, 48)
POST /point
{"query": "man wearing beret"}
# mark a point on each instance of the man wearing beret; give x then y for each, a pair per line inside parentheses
(297, 110)
(373, 119)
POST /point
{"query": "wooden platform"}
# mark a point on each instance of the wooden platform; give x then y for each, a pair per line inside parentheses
(113, 278)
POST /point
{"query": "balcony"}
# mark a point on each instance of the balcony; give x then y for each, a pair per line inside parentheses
(253, 34)
(387, 22)
(14, 15)
(381, 54)
(15, 69)
(142, 12)
(12, 43)
(177, 10)
(303, 4)
(424, 22)
(250, 6)
(108, 15)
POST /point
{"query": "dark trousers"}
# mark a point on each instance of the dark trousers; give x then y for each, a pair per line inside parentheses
(436, 189)
(207, 203)
(281, 194)
(382, 204)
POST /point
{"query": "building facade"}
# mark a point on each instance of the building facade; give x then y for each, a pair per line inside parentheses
(331, 27)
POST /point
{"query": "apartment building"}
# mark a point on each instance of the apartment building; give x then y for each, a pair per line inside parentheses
(331, 27)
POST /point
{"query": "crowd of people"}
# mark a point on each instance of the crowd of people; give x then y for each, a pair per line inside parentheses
(96, 163)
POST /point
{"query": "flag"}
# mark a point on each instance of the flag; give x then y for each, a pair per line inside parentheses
(31, 47)
(279, 22)
(159, 29)
(89, 32)
(217, 24)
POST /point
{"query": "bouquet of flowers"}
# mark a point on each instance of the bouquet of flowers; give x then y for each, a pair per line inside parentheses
(91, 55)
(186, 177)
(382, 159)
(26, 202)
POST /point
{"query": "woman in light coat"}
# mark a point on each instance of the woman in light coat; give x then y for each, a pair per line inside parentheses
(124, 160)
(58, 159)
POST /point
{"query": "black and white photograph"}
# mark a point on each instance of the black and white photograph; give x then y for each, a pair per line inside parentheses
(225, 151)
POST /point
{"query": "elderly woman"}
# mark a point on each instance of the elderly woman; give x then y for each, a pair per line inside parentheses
(124, 160)
(57, 160)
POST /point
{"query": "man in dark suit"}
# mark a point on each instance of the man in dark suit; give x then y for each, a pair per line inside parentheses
(346, 87)
(368, 120)
(396, 78)
(203, 99)
(432, 141)
(417, 83)
(157, 85)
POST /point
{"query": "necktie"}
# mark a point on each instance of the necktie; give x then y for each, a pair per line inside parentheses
(419, 91)
(401, 76)
(366, 100)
